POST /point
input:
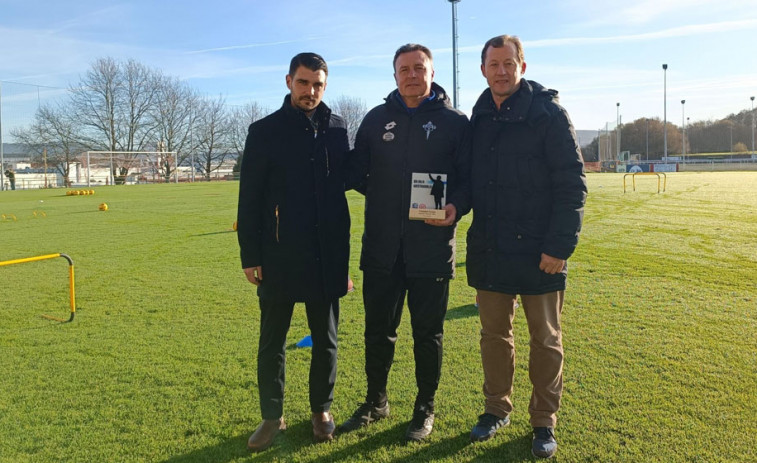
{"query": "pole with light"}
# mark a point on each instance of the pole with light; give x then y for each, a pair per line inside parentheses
(683, 129)
(752, 98)
(454, 53)
(2, 158)
(665, 111)
(617, 128)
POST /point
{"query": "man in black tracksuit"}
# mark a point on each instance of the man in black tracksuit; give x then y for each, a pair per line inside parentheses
(414, 131)
(293, 229)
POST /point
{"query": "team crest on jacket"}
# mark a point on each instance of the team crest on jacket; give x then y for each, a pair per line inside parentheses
(429, 127)
(389, 136)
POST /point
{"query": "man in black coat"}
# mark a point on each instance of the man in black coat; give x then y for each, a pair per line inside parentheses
(528, 194)
(293, 230)
(11, 178)
(415, 131)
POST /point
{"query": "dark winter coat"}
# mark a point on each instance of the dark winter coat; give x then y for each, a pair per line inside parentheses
(293, 218)
(528, 191)
(391, 145)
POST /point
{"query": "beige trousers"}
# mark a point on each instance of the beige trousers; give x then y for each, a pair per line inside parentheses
(497, 311)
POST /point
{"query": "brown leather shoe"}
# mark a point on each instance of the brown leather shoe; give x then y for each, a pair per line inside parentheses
(323, 426)
(263, 437)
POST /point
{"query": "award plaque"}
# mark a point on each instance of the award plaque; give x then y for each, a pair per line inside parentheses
(428, 195)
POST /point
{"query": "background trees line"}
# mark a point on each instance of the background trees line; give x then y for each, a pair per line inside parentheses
(126, 106)
(644, 136)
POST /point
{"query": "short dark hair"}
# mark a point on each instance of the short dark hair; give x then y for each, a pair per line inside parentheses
(499, 42)
(312, 61)
(408, 47)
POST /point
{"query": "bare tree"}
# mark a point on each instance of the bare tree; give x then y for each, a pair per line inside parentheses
(53, 135)
(174, 115)
(94, 101)
(142, 87)
(213, 133)
(241, 118)
(112, 105)
(352, 110)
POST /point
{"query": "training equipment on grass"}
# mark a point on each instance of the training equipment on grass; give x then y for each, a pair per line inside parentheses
(103, 207)
(79, 192)
(307, 341)
(8, 217)
(71, 290)
(633, 176)
(234, 226)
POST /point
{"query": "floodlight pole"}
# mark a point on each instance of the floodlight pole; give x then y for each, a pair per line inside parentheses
(752, 98)
(617, 126)
(683, 129)
(665, 111)
(454, 53)
(2, 156)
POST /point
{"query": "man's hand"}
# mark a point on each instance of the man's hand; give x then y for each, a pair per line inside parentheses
(450, 212)
(254, 275)
(551, 264)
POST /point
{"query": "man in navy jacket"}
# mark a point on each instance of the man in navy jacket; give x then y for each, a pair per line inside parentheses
(528, 194)
(293, 230)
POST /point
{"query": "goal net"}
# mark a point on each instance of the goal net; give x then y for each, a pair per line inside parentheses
(127, 167)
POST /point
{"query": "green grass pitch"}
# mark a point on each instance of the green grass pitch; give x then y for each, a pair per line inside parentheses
(660, 334)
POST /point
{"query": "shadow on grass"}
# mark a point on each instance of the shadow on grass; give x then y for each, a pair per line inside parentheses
(459, 264)
(463, 311)
(372, 442)
(298, 436)
(228, 450)
(291, 441)
(213, 233)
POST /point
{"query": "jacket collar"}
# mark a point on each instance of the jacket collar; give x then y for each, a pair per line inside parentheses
(515, 108)
(322, 112)
(440, 98)
(529, 103)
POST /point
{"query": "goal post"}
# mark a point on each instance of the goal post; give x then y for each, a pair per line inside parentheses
(114, 167)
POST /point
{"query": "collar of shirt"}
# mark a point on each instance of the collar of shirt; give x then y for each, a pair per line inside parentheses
(412, 111)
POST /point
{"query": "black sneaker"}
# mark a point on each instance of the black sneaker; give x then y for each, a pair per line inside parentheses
(365, 414)
(544, 444)
(487, 426)
(421, 425)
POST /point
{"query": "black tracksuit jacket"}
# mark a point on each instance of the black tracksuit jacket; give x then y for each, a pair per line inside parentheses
(391, 144)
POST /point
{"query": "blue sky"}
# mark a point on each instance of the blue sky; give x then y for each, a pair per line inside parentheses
(594, 53)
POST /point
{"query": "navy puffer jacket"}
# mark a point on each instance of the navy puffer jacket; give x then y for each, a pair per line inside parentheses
(528, 191)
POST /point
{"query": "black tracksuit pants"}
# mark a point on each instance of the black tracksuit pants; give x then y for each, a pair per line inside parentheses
(275, 317)
(384, 297)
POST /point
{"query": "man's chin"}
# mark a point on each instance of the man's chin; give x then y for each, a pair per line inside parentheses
(306, 106)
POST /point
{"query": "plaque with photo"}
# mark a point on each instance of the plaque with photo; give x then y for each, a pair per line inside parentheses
(428, 195)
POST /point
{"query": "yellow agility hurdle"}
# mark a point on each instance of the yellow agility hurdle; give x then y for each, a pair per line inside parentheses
(72, 292)
(633, 177)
